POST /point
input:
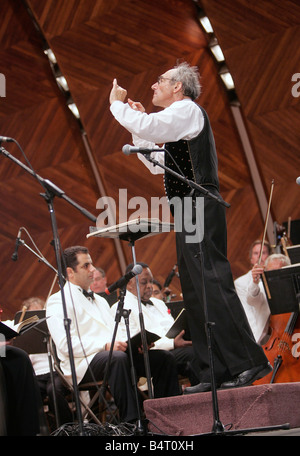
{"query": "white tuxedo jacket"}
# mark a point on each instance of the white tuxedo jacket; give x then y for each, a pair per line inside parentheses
(254, 301)
(156, 319)
(91, 327)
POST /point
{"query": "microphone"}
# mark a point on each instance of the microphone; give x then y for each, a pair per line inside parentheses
(170, 276)
(14, 256)
(6, 139)
(137, 269)
(298, 180)
(128, 150)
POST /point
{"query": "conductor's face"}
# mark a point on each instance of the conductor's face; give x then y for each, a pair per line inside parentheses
(163, 90)
(145, 283)
(83, 274)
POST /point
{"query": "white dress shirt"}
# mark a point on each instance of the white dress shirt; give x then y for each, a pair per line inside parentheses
(182, 120)
(156, 317)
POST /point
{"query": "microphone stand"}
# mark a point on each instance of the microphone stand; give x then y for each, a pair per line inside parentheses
(21, 242)
(143, 330)
(131, 238)
(121, 312)
(218, 427)
(189, 182)
(51, 190)
(46, 335)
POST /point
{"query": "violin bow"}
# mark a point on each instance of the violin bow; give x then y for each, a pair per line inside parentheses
(266, 222)
(264, 237)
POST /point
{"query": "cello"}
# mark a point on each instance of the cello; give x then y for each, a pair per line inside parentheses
(283, 348)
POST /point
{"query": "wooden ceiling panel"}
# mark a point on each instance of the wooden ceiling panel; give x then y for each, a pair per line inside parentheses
(277, 137)
(240, 21)
(262, 79)
(57, 17)
(26, 71)
(261, 43)
(47, 134)
(244, 225)
(93, 49)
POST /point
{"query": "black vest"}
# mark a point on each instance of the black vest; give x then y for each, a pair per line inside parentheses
(196, 159)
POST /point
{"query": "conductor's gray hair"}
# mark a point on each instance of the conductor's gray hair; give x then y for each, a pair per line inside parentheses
(189, 77)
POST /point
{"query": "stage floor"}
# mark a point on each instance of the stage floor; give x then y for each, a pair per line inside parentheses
(252, 407)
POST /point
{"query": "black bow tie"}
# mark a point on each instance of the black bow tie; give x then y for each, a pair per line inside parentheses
(88, 294)
(149, 303)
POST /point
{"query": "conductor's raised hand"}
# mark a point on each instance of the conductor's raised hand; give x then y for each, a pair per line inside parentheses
(117, 93)
(136, 105)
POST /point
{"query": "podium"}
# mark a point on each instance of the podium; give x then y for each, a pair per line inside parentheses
(131, 232)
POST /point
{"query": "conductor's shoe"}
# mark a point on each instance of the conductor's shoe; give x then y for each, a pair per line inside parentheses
(248, 377)
(199, 388)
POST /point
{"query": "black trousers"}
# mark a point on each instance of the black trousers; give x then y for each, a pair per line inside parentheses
(163, 371)
(46, 388)
(186, 362)
(234, 347)
(24, 404)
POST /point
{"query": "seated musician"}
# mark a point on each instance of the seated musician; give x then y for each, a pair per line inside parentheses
(157, 320)
(256, 301)
(256, 254)
(91, 331)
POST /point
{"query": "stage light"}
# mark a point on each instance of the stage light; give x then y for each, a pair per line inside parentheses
(74, 109)
(226, 78)
(216, 50)
(50, 55)
(205, 22)
(61, 80)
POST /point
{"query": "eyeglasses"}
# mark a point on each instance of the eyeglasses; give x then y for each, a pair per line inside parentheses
(161, 78)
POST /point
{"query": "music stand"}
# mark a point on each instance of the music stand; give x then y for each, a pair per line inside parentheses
(282, 289)
(33, 341)
(131, 232)
(294, 253)
(294, 230)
